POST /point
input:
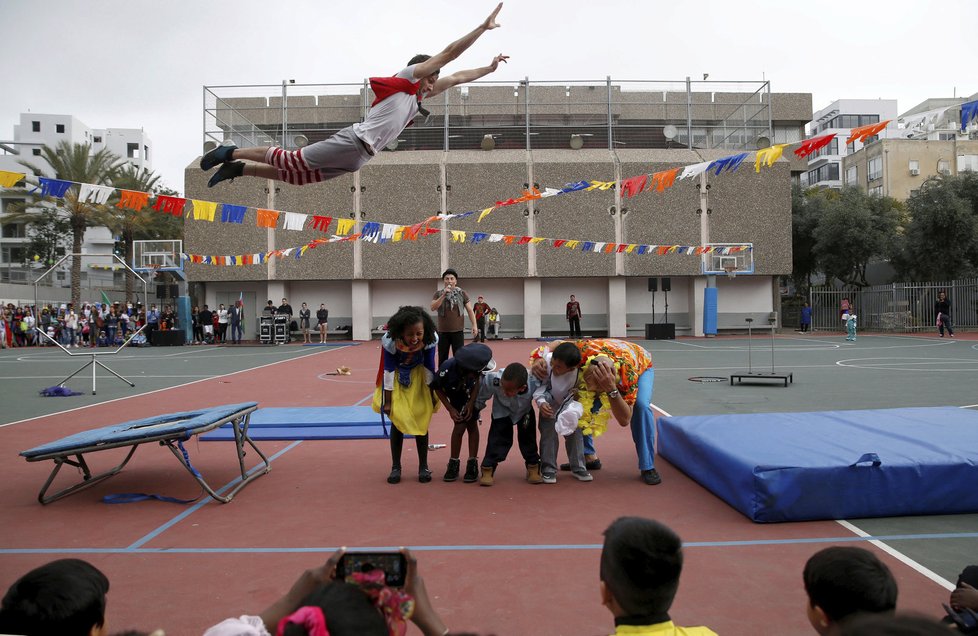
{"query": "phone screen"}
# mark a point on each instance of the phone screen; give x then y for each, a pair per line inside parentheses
(393, 564)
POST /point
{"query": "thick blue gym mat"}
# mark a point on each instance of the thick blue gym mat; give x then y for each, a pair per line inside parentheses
(831, 465)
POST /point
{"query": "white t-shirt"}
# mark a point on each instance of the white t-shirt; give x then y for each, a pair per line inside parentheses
(386, 120)
(222, 316)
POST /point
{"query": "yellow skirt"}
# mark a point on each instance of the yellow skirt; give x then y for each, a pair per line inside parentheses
(411, 407)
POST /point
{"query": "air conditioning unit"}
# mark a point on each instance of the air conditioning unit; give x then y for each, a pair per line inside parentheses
(914, 172)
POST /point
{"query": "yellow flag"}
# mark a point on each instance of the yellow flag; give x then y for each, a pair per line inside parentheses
(10, 179)
(204, 210)
(458, 236)
(485, 213)
(343, 226)
(768, 156)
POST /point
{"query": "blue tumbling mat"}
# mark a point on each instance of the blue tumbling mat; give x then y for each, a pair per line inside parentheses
(831, 465)
(321, 422)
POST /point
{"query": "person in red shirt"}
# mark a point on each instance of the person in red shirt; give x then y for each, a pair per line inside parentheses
(481, 309)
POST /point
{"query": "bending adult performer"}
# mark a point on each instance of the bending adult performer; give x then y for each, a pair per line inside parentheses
(397, 101)
(618, 376)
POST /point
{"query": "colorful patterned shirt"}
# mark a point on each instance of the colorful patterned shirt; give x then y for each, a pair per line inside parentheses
(634, 361)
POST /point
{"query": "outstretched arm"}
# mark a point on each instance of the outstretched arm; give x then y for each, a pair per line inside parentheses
(462, 77)
(456, 48)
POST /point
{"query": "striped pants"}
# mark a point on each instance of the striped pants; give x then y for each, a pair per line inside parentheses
(291, 167)
(342, 153)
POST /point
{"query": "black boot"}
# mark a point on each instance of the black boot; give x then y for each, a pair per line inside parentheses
(395, 476)
(226, 171)
(424, 475)
(221, 154)
(452, 473)
(471, 471)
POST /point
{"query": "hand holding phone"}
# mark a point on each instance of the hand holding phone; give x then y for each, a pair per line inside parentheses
(392, 564)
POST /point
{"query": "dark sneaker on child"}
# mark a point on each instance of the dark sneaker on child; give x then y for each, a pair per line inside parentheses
(221, 154)
(651, 477)
(395, 476)
(549, 478)
(592, 464)
(451, 474)
(227, 171)
(471, 471)
(583, 476)
(424, 475)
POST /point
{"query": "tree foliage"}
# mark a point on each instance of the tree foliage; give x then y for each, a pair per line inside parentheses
(942, 238)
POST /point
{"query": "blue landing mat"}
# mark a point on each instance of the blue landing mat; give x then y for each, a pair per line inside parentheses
(323, 422)
(831, 465)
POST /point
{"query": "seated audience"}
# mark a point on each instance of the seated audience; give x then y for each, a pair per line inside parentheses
(641, 561)
(64, 597)
(844, 581)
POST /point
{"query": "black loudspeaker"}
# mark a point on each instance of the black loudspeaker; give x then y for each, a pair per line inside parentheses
(174, 291)
(653, 284)
(161, 292)
(666, 284)
(661, 331)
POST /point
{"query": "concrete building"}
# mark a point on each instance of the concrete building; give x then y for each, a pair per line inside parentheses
(32, 133)
(825, 166)
(933, 144)
(486, 143)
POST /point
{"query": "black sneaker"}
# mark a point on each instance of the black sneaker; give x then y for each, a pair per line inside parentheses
(651, 477)
(221, 154)
(594, 464)
(471, 471)
(226, 171)
(395, 476)
(424, 475)
(451, 474)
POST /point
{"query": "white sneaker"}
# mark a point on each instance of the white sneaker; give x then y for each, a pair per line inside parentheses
(585, 476)
(549, 478)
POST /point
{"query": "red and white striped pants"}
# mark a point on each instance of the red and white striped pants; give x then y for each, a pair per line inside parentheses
(291, 166)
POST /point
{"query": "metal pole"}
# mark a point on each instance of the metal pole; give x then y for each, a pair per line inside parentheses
(611, 144)
(285, 117)
(445, 142)
(526, 109)
(749, 334)
(689, 113)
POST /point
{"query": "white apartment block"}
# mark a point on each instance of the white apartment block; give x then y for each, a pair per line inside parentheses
(840, 117)
(32, 133)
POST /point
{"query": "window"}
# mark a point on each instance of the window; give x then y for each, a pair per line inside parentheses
(852, 175)
(875, 168)
(968, 163)
(876, 191)
(132, 151)
(13, 230)
(60, 128)
(97, 139)
(36, 126)
(13, 254)
(914, 167)
(943, 166)
(828, 172)
(146, 153)
(947, 136)
(36, 152)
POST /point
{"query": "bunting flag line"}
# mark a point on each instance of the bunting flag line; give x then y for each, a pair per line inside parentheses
(232, 213)
(132, 200)
(204, 210)
(53, 187)
(267, 218)
(170, 205)
(663, 180)
(97, 194)
(294, 221)
(809, 146)
(768, 156)
(321, 223)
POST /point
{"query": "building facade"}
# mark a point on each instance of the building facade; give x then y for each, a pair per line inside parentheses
(485, 144)
(825, 166)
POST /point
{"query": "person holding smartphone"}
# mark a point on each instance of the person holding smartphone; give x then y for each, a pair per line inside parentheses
(320, 599)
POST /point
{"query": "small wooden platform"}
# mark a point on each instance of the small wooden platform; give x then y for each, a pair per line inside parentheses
(752, 377)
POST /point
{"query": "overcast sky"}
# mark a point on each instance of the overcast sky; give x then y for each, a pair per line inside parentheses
(134, 63)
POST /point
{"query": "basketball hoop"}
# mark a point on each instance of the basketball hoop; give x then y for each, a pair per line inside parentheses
(731, 270)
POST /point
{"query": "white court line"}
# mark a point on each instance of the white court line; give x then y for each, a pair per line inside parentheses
(933, 576)
(37, 417)
(968, 406)
(140, 377)
(656, 408)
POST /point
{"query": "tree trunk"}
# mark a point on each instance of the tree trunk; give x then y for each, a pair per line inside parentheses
(77, 235)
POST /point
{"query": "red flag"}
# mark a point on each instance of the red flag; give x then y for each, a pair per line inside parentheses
(809, 146)
(633, 185)
(321, 223)
(169, 205)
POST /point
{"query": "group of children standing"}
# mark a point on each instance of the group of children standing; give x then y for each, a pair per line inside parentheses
(410, 390)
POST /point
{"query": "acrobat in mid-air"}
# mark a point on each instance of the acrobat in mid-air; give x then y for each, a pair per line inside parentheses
(397, 102)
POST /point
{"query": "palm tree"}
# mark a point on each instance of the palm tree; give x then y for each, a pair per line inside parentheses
(74, 162)
(146, 224)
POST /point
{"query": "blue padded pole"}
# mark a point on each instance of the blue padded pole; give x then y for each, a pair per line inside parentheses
(710, 311)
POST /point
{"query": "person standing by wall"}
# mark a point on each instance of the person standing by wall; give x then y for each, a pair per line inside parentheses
(449, 303)
(235, 316)
(574, 317)
(304, 315)
(322, 316)
(942, 307)
(481, 309)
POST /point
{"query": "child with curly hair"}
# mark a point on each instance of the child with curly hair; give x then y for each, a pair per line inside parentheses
(407, 365)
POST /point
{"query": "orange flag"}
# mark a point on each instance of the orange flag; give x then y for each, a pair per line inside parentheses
(664, 179)
(861, 133)
(131, 200)
(267, 218)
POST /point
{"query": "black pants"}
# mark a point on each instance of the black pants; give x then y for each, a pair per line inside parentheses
(481, 324)
(501, 440)
(453, 339)
(575, 326)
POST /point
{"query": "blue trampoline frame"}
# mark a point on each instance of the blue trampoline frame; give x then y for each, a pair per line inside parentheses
(175, 428)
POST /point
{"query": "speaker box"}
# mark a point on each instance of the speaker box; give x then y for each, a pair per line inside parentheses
(174, 291)
(660, 331)
(161, 292)
(666, 284)
(653, 284)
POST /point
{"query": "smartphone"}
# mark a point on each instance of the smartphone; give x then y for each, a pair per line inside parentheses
(393, 564)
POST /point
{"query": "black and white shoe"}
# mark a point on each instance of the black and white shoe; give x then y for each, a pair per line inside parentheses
(221, 154)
